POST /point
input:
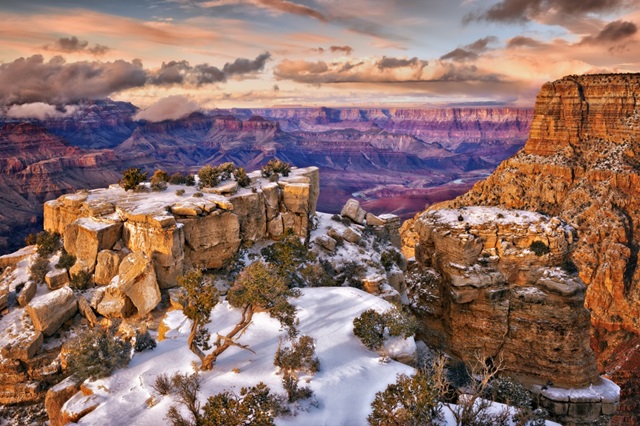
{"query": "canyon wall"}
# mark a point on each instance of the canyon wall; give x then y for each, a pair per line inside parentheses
(582, 163)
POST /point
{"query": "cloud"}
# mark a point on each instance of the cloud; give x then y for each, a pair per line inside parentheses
(246, 66)
(39, 110)
(470, 51)
(282, 6)
(32, 79)
(169, 108)
(347, 50)
(522, 41)
(526, 10)
(613, 32)
(75, 45)
(387, 62)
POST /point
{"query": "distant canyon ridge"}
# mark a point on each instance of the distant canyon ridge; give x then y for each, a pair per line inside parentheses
(392, 159)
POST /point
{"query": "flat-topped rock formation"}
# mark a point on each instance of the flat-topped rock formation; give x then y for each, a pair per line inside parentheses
(499, 283)
(197, 229)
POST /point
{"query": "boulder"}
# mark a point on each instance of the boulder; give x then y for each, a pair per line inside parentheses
(352, 235)
(85, 237)
(275, 227)
(86, 311)
(107, 266)
(56, 279)
(78, 406)
(111, 302)
(56, 397)
(353, 211)
(137, 280)
(49, 311)
(27, 293)
(4, 295)
(186, 209)
(373, 220)
(373, 284)
(24, 347)
(224, 188)
(326, 242)
(296, 222)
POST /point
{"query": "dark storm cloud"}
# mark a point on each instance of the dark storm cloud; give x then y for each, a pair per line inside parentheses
(389, 63)
(613, 32)
(75, 45)
(470, 51)
(522, 41)
(246, 66)
(347, 50)
(524, 10)
(31, 79)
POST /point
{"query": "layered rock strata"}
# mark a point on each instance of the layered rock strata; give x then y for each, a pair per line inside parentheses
(498, 283)
(191, 230)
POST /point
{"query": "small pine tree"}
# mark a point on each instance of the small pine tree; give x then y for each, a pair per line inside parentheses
(372, 327)
(131, 178)
(48, 243)
(288, 256)
(81, 280)
(300, 356)
(38, 270)
(66, 260)
(209, 176)
(177, 179)
(275, 167)
(241, 177)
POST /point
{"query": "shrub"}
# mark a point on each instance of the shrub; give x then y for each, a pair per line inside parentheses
(97, 353)
(179, 192)
(158, 186)
(539, 248)
(30, 239)
(131, 178)
(177, 179)
(301, 356)
(294, 391)
(66, 260)
(38, 270)
(372, 327)
(197, 195)
(160, 176)
(81, 280)
(336, 217)
(241, 177)
(287, 257)
(275, 168)
(390, 258)
(255, 405)
(409, 401)
(460, 218)
(48, 243)
(209, 176)
(144, 341)
(190, 180)
(163, 384)
(226, 170)
(186, 386)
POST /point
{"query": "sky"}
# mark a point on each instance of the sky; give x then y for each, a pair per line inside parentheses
(189, 54)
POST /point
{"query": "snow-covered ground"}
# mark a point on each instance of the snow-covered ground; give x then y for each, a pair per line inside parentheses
(349, 376)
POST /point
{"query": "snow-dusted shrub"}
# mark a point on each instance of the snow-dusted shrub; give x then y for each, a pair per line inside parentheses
(179, 192)
(163, 384)
(240, 174)
(177, 179)
(66, 260)
(197, 195)
(373, 327)
(389, 258)
(38, 270)
(254, 406)
(300, 356)
(48, 243)
(144, 341)
(81, 280)
(410, 401)
(294, 391)
(288, 256)
(131, 178)
(275, 168)
(97, 353)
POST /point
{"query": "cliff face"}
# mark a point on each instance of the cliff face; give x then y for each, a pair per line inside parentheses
(582, 163)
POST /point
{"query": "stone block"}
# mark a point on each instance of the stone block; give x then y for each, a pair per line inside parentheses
(85, 237)
(271, 199)
(24, 347)
(326, 242)
(352, 235)
(56, 397)
(296, 197)
(86, 310)
(250, 210)
(27, 293)
(137, 280)
(373, 220)
(275, 227)
(212, 240)
(353, 211)
(114, 303)
(56, 279)
(49, 311)
(107, 265)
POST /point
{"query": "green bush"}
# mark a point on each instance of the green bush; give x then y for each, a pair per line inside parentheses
(30, 239)
(163, 384)
(539, 248)
(48, 243)
(97, 353)
(179, 192)
(209, 176)
(66, 260)
(254, 406)
(131, 178)
(144, 342)
(38, 270)
(190, 180)
(372, 327)
(241, 177)
(294, 391)
(197, 195)
(410, 401)
(275, 168)
(177, 179)
(288, 256)
(300, 356)
(81, 280)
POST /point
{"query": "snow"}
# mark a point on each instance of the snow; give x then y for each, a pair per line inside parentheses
(349, 376)
(605, 390)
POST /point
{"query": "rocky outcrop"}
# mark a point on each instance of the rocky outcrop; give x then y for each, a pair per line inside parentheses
(176, 231)
(50, 310)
